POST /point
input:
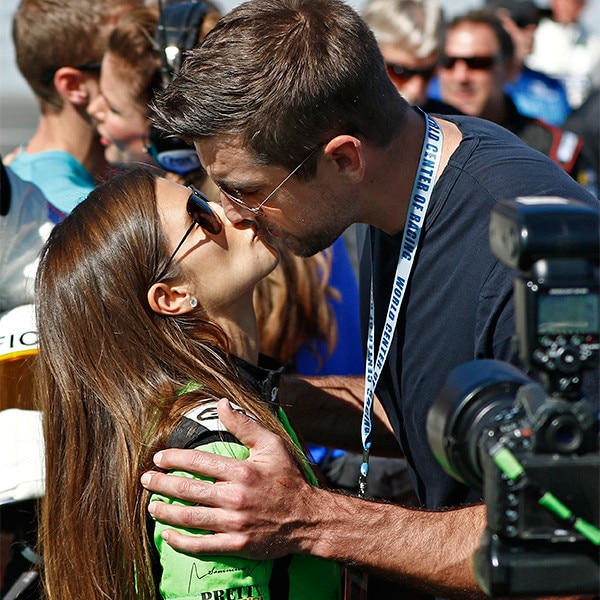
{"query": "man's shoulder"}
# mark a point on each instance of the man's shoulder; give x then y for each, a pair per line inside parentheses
(519, 135)
(477, 127)
(486, 145)
(494, 162)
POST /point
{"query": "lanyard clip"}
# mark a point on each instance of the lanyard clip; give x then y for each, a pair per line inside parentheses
(363, 472)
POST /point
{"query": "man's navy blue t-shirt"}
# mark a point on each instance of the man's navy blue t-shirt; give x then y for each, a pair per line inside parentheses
(458, 302)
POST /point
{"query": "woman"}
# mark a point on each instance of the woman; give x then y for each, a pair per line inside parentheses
(145, 316)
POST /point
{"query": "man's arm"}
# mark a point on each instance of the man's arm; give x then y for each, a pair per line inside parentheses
(327, 411)
(264, 508)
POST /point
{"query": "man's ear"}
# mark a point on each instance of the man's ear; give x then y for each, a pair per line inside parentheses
(71, 84)
(166, 300)
(346, 152)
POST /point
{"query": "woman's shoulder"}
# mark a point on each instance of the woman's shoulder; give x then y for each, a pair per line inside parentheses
(201, 426)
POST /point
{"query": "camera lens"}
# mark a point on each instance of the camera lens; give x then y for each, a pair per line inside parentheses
(564, 434)
(475, 397)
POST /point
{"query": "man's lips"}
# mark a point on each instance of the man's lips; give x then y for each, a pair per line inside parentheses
(256, 229)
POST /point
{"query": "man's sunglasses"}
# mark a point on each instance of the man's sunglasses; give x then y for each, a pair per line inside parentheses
(475, 63)
(402, 74)
(202, 215)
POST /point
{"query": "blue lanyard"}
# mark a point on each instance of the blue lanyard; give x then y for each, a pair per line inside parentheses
(419, 201)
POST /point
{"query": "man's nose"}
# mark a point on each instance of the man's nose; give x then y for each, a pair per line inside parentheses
(461, 70)
(234, 212)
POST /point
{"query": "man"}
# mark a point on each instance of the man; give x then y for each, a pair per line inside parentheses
(294, 117)
(59, 47)
(478, 61)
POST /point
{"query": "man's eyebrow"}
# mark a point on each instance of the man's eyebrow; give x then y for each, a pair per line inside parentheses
(241, 187)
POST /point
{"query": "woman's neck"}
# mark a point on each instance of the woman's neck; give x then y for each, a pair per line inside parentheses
(244, 346)
(241, 330)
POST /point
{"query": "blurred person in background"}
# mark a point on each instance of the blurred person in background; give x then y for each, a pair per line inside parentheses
(565, 48)
(59, 46)
(132, 71)
(409, 35)
(478, 61)
(534, 93)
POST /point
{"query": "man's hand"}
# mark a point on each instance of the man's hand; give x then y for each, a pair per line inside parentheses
(253, 505)
(262, 508)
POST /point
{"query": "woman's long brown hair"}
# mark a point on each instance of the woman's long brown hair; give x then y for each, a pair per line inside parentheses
(109, 372)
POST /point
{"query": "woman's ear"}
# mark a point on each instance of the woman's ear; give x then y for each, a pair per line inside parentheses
(166, 300)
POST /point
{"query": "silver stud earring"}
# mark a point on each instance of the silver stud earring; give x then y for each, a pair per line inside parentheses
(193, 302)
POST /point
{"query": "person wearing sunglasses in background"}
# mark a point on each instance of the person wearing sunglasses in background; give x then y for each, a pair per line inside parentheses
(163, 284)
(478, 60)
(409, 35)
(59, 46)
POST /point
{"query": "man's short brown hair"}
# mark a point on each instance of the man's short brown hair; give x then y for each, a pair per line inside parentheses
(284, 76)
(50, 34)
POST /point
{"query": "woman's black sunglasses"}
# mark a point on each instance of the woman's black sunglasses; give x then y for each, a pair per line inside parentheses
(202, 215)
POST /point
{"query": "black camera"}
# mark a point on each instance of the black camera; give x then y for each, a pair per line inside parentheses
(531, 443)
